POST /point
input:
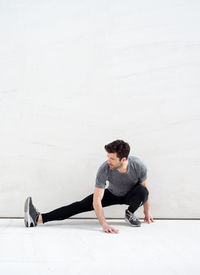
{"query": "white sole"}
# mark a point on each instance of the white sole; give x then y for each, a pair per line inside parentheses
(131, 223)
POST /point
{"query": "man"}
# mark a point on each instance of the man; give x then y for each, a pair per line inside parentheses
(127, 177)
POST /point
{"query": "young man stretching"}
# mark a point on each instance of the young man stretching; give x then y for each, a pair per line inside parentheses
(127, 185)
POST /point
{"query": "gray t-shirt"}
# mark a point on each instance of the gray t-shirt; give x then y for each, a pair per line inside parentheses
(120, 184)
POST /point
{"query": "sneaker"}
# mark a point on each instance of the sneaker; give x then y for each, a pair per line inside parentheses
(131, 219)
(31, 214)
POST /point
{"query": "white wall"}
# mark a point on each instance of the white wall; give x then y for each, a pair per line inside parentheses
(76, 75)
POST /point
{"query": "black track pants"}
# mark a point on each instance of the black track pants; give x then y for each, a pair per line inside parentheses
(136, 197)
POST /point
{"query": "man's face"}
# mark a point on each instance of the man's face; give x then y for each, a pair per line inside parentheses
(114, 162)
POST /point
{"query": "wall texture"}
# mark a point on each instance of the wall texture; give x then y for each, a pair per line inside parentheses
(76, 75)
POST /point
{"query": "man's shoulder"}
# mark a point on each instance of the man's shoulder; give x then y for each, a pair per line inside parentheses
(136, 161)
(103, 167)
(134, 158)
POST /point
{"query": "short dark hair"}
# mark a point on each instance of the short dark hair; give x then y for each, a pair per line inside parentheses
(120, 147)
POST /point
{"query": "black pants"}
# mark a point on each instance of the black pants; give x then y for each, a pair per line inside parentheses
(136, 197)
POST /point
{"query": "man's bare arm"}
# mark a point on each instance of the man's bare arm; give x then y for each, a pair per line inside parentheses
(148, 217)
(97, 197)
(147, 203)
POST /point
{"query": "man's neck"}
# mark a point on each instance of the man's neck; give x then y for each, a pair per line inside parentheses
(124, 168)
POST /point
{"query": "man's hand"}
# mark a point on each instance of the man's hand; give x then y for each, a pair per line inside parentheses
(148, 217)
(109, 229)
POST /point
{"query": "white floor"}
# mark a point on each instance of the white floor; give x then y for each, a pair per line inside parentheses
(79, 246)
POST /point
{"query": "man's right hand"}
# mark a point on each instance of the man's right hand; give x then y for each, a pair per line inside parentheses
(109, 229)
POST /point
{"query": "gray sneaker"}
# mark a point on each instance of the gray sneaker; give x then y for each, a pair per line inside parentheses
(31, 214)
(131, 219)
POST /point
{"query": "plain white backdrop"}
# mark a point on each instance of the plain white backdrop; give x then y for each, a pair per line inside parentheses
(76, 75)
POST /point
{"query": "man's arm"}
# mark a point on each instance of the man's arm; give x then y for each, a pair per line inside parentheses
(97, 197)
(147, 203)
(148, 217)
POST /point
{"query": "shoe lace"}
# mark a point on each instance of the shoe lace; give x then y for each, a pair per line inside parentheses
(36, 209)
(133, 217)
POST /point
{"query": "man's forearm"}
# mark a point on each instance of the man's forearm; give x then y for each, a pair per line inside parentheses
(99, 212)
(146, 205)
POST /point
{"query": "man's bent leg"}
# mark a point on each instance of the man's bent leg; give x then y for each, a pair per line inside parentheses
(111, 199)
(136, 197)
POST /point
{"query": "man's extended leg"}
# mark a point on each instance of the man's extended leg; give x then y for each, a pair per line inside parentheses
(67, 211)
(79, 207)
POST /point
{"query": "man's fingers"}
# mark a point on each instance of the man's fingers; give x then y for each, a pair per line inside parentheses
(108, 231)
(111, 230)
(115, 230)
(148, 219)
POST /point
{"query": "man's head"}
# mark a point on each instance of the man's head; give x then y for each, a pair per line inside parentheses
(118, 152)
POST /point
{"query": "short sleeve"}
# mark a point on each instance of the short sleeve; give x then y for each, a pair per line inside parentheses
(141, 171)
(101, 176)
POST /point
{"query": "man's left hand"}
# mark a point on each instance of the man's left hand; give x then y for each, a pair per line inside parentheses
(148, 217)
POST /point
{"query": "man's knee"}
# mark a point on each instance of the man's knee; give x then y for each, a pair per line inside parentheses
(143, 191)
